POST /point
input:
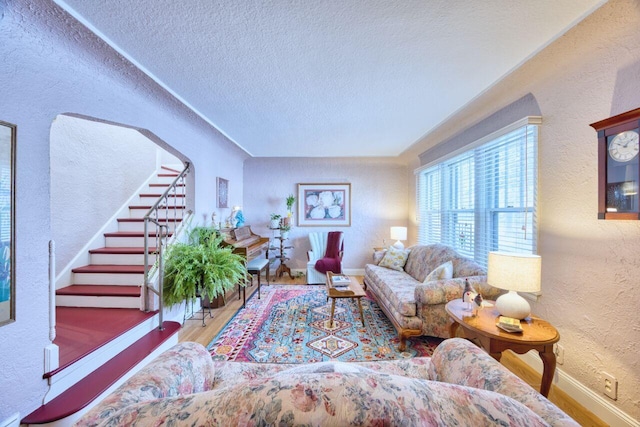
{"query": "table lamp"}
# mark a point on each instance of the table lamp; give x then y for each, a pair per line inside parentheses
(398, 234)
(516, 273)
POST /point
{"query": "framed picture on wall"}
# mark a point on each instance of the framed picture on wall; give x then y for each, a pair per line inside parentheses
(7, 222)
(223, 192)
(324, 205)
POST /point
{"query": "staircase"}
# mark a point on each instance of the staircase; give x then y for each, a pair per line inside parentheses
(102, 333)
(114, 277)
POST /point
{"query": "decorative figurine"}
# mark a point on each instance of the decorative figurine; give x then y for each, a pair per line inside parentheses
(468, 294)
(478, 303)
(239, 217)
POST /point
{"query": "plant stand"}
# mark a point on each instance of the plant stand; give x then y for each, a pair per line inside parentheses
(202, 311)
(281, 249)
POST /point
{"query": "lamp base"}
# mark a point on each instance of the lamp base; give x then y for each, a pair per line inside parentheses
(513, 305)
(398, 245)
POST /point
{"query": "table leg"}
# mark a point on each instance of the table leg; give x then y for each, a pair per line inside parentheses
(361, 315)
(549, 367)
(333, 308)
(453, 327)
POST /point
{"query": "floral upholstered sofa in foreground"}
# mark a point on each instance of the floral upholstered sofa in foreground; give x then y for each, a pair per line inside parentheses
(460, 385)
(415, 304)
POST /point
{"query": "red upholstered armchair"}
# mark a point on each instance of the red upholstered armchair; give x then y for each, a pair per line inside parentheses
(318, 251)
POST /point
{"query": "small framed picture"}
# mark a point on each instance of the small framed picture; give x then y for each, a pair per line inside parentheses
(223, 192)
(324, 205)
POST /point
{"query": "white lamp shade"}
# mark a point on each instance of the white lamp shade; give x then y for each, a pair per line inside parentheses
(514, 272)
(398, 233)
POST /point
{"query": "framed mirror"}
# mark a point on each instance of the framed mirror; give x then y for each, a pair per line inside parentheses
(7, 222)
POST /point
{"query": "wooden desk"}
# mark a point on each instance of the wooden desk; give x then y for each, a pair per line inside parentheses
(354, 290)
(537, 335)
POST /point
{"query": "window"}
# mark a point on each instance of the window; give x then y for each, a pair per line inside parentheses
(484, 198)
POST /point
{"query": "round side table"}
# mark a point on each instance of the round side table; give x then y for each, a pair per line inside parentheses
(481, 329)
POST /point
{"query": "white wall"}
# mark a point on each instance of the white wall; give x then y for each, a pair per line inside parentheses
(379, 200)
(95, 168)
(590, 267)
(52, 65)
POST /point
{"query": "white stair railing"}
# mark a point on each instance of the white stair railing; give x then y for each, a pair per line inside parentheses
(168, 204)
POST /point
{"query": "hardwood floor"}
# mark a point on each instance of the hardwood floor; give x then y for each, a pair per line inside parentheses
(194, 331)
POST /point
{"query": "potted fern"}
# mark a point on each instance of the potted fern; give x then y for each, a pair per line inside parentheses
(201, 267)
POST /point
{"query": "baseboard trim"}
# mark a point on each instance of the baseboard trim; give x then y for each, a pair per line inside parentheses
(354, 271)
(586, 397)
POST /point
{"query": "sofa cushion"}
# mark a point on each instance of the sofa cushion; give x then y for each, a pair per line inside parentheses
(394, 258)
(443, 271)
(396, 287)
(423, 259)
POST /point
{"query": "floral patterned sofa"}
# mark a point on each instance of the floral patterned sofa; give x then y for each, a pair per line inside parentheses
(416, 307)
(459, 385)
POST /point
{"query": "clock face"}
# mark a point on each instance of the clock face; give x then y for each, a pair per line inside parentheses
(624, 146)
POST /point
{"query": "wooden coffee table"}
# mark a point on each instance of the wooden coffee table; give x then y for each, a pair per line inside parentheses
(354, 290)
(537, 335)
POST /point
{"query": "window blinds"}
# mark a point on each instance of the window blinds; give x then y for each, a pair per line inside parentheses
(483, 199)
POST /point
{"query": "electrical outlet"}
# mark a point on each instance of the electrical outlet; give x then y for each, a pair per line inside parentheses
(609, 386)
(558, 350)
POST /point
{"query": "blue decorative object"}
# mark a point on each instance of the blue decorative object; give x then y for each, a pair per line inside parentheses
(239, 218)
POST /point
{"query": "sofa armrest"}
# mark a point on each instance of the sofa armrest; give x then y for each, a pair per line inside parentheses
(184, 369)
(443, 291)
(458, 361)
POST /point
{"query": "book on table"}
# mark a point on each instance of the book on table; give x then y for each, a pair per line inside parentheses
(340, 281)
(509, 324)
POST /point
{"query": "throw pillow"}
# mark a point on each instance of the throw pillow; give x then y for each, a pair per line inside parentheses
(394, 258)
(378, 255)
(444, 271)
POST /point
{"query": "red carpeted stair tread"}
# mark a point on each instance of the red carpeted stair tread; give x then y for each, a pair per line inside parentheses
(100, 290)
(118, 269)
(164, 185)
(122, 250)
(142, 220)
(159, 194)
(170, 169)
(131, 234)
(159, 207)
(82, 393)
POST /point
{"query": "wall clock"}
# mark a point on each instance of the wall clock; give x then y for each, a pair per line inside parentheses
(619, 166)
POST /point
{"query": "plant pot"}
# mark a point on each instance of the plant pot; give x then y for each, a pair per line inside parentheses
(286, 220)
(284, 235)
(275, 223)
(217, 302)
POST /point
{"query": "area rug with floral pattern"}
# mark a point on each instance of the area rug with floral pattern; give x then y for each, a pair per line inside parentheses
(290, 324)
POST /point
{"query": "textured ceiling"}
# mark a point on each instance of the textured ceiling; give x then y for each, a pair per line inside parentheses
(327, 77)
